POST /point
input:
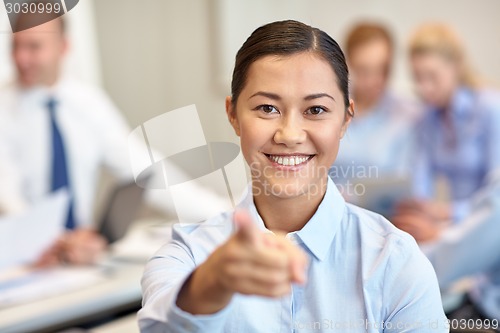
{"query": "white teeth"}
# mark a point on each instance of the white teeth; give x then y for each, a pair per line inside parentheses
(288, 161)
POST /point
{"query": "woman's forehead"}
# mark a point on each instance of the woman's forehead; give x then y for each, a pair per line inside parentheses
(302, 69)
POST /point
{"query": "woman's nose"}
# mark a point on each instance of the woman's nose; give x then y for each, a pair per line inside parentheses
(290, 132)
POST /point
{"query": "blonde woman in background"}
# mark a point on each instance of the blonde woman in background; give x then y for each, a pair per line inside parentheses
(457, 138)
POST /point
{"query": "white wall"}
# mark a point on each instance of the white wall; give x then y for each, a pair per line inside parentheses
(159, 55)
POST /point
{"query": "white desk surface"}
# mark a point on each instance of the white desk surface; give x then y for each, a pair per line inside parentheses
(121, 288)
(127, 324)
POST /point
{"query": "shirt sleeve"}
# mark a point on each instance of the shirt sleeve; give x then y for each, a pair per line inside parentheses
(163, 278)
(411, 296)
(472, 246)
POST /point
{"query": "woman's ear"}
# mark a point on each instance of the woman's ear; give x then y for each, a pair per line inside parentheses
(231, 115)
(348, 118)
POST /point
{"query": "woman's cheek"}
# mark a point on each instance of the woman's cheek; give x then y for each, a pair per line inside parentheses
(249, 141)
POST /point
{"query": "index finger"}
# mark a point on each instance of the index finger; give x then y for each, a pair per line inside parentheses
(246, 230)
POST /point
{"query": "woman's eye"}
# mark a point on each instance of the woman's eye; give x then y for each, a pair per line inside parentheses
(315, 110)
(268, 109)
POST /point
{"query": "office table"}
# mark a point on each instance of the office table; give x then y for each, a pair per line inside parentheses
(118, 291)
(127, 324)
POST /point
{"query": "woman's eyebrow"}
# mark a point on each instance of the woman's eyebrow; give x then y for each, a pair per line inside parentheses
(277, 97)
(315, 96)
(269, 95)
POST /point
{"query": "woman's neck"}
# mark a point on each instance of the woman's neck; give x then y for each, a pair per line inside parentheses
(288, 214)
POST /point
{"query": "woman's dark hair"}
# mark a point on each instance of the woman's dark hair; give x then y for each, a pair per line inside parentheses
(286, 38)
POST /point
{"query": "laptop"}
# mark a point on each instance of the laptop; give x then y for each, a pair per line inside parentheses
(122, 209)
(381, 195)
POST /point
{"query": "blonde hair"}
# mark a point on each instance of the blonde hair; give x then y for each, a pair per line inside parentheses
(440, 39)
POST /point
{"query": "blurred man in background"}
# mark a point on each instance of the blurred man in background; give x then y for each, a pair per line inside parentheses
(378, 136)
(57, 133)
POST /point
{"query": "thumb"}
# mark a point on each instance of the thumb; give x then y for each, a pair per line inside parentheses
(246, 230)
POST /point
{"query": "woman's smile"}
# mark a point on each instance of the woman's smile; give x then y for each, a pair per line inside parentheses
(289, 162)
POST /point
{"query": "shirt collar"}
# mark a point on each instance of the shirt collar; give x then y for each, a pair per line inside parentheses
(462, 101)
(318, 233)
(42, 92)
(383, 105)
(381, 108)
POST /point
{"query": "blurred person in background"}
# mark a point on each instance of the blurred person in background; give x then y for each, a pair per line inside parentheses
(58, 133)
(378, 136)
(472, 248)
(457, 139)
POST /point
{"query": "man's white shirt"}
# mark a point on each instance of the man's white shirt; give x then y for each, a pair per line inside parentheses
(95, 135)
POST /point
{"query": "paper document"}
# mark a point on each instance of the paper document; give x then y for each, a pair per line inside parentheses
(24, 237)
(21, 284)
(142, 241)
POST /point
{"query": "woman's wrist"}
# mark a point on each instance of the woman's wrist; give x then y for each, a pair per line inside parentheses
(202, 293)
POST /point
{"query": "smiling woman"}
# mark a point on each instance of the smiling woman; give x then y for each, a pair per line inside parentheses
(281, 124)
(294, 253)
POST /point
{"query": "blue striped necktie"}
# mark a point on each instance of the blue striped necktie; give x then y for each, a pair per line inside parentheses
(60, 177)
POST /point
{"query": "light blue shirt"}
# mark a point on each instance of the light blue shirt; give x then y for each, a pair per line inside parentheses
(472, 248)
(363, 273)
(463, 153)
(377, 143)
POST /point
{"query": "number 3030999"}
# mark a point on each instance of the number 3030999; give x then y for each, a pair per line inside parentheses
(467, 324)
(32, 8)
